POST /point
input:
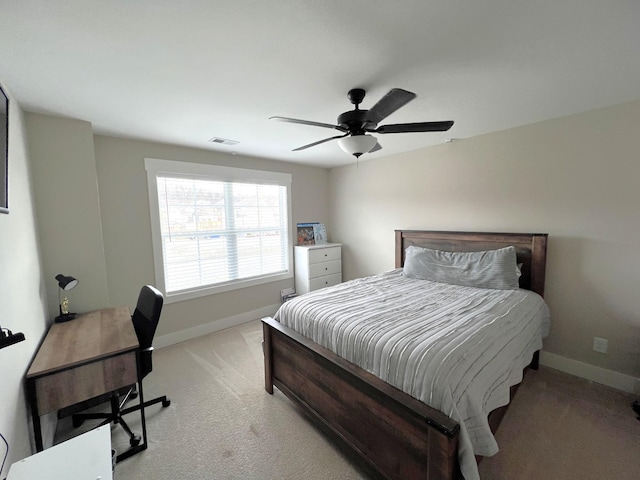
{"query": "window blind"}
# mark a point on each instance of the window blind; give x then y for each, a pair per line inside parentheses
(216, 229)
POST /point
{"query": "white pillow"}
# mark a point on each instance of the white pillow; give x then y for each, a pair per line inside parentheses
(495, 269)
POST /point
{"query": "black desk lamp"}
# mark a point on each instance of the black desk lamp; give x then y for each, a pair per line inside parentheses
(65, 283)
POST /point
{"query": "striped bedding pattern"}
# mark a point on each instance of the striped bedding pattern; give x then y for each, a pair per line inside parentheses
(458, 349)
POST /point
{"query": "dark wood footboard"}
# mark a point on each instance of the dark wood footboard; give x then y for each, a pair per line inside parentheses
(393, 433)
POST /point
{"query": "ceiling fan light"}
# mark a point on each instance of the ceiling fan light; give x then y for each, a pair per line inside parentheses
(357, 144)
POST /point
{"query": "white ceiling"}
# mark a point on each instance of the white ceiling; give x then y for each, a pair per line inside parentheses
(182, 72)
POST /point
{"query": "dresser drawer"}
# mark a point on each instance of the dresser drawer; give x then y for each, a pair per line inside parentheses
(326, 281)
(318, 255)
(324, 268)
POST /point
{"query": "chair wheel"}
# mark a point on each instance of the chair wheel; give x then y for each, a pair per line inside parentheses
(135, 441)
(166, 403)
(76, 422)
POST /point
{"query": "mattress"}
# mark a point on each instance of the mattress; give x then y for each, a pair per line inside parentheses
(458, 349)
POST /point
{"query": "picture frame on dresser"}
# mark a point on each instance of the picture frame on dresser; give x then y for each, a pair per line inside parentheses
(305, 232)
(320, 234)
(4, 151)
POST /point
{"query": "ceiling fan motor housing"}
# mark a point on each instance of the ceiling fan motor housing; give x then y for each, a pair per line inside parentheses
(355, 122)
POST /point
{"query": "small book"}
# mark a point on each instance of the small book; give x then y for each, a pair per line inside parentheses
(305, 234)
(320, 234)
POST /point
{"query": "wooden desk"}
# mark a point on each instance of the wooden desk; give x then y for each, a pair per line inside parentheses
(87, 456)
(92, 355)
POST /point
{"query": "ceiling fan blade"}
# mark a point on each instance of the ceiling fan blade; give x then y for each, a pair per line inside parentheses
(388, 104)
(318, 142)
(376, 147)
(308, 122)
(415, 127)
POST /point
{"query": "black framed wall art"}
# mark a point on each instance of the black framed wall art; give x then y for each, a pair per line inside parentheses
(4, 152)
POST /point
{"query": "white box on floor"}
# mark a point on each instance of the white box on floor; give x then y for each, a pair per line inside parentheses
(85, 457)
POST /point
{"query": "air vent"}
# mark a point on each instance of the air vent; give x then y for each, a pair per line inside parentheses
(223, 141)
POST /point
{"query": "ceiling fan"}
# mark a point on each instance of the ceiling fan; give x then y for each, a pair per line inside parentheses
(356, 124)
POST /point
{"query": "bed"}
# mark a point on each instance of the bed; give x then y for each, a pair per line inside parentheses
(394, 434)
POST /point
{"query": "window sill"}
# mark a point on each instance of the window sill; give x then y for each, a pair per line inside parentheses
(181, 296)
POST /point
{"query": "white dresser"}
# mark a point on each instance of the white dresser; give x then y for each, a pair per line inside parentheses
(317, 266)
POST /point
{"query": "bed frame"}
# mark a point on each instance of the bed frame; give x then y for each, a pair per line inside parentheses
(395, 435)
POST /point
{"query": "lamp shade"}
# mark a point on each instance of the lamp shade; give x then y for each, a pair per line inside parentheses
(357, 144)
(66, 283)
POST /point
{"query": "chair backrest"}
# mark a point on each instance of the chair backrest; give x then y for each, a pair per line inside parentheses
(147, 315)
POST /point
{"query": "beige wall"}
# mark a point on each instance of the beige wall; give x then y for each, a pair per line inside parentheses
(22, 293)
(124, 201)
(575, 178)
(68, 209)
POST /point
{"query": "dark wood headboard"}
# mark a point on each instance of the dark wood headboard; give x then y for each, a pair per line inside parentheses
(531, 249)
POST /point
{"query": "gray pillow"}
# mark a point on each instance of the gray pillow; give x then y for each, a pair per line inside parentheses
(495, 269)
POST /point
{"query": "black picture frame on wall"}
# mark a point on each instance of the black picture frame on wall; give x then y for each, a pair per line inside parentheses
(4, 152)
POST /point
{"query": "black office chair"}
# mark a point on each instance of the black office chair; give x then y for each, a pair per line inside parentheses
(145, 320)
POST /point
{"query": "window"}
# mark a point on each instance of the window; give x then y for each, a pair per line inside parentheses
(217, 228)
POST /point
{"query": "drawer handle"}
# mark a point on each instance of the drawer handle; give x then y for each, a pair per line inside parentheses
(326, 268)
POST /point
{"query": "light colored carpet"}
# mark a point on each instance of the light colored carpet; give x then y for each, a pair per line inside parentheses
(223, 425)
(563, 427)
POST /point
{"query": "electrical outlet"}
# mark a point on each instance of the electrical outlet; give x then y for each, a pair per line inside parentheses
(600, 344)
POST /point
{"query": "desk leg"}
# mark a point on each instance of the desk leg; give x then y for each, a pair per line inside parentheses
(35, 414)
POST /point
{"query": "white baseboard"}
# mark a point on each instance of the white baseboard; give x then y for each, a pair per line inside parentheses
(193, 332)
(619, 381)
